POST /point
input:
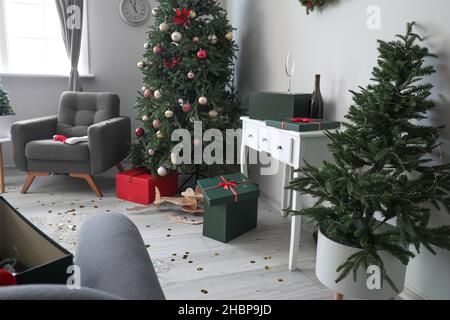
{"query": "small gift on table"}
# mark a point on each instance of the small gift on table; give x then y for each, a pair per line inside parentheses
(231, 206)
(304, 124)
(138, 186)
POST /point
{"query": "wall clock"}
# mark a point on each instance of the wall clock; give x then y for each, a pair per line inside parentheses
(134, 12)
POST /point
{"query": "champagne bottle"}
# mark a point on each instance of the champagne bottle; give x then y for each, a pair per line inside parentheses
(317, 101)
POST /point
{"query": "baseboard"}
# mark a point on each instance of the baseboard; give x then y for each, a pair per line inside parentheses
(413, 294)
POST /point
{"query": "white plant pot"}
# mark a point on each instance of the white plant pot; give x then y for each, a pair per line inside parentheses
(331, 255)
(5, 126)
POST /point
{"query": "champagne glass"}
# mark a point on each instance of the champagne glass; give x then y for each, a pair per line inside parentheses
(290, 69)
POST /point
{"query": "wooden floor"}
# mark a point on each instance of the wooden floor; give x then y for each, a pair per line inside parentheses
(189, 265)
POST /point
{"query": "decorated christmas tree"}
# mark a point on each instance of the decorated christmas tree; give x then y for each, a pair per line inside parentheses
(5, 106)
(386, 165)
(188, 70)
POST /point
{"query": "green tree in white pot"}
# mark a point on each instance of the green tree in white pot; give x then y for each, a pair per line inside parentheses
(6, 113)
(383, 174)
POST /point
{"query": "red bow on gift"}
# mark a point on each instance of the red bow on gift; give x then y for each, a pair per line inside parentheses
(229, 185)
(302, 120)
(181, 17)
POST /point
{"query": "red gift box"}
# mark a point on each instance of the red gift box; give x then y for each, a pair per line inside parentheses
(139, 186)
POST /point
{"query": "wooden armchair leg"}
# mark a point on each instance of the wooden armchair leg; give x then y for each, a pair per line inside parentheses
(338, 296)
(90, 182)
(30, 178)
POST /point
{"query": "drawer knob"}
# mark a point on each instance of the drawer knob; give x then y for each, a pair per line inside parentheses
(280, 148)
(250, 136)
(264, 140)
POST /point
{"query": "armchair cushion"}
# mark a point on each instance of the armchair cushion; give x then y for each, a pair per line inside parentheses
(79, 110)
(57, 151)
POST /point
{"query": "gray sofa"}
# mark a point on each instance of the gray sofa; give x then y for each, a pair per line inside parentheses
(96, 115)
(113, 261)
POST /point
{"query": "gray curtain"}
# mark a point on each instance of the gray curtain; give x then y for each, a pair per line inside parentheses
(71, 17)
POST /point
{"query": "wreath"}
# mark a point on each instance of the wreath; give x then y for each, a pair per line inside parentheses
(312, 4)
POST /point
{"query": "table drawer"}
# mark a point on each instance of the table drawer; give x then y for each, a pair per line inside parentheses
(250, 138)
(264, 140)
(283, 148)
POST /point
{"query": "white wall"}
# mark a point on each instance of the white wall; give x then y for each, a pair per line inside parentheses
(337, 44)
(115, 48)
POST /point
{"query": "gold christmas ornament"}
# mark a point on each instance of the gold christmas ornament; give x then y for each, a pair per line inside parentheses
(164, 27)
(176, 37)
(141, 64)
(162, 172)
(169, 114)
(155, 12)
(229, 36)
(158, 94)
(213, 114)
(193, 14)
(159, 135)
(203, 101)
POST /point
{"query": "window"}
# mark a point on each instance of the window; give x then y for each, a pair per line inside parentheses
(31, 39)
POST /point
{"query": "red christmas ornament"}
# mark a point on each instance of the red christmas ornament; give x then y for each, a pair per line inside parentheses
(7, 278)
(169, 64)
(187, 107)
(181, 17)
(202, 55)
(148, 93)
(139, 132)
(157, 49)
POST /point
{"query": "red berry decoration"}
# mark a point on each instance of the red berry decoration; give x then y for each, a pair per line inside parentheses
(202, 55)
(139, 132)
(7, 278)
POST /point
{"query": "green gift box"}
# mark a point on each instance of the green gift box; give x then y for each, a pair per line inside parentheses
(279, 106)
(304, 125)
(40, 260)
(231, 206)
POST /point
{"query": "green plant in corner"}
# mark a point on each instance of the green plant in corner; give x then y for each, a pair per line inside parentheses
(384, 166)
(5, 106)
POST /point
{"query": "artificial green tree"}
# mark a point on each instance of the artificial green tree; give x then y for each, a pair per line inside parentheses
(188, 73)
(385, 165)
(5, 105)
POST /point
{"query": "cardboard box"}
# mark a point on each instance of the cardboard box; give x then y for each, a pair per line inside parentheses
(279, 106)
(231, 206)
(40, 259)
(138, 186)
(307, 125)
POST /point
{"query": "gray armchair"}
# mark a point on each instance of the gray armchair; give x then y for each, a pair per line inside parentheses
(96, 115)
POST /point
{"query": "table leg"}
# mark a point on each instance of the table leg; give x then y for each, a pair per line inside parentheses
(296, 226)
(244, 165)
(2, 173)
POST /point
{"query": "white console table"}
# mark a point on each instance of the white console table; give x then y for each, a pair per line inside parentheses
(291, 149)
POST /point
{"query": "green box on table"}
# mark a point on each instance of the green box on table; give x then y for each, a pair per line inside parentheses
(231, 206)
(278, 105)
(305, 126)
